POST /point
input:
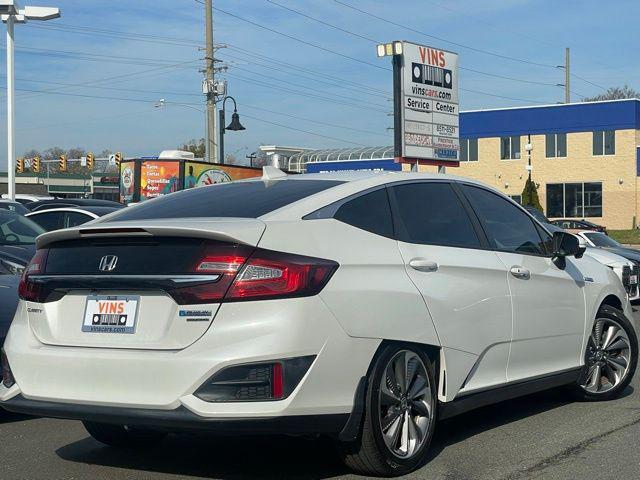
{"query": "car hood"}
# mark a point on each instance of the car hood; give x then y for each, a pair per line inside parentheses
(18, 253)
(606, 257)
(630, 253)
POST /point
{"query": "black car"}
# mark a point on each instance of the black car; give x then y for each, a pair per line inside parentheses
(17, 241)
(539, 216)
(601, 240)
(13, 206)
(8, 304)
(71, 202)
(577, 225)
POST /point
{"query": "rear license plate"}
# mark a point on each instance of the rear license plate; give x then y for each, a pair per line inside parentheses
(633, 279)
(110, 314)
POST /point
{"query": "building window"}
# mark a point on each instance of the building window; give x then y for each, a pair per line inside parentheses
(510, 148)
(556, 145)
(468, 149)
(574, 200)
(604, 142)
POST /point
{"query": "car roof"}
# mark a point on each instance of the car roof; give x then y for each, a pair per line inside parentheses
(91, 210)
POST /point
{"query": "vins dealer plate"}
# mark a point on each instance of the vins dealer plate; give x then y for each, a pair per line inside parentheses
(110, 314)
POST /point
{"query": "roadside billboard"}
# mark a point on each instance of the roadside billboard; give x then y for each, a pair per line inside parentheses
(201, 174)
(426, 103)
(158, 177)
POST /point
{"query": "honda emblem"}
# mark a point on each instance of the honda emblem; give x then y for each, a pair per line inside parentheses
(108, 263)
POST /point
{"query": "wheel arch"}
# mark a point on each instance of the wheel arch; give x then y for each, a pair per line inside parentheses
(612, 301)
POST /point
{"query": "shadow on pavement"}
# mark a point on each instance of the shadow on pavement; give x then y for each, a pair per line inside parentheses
(8, 417)
(289, 457)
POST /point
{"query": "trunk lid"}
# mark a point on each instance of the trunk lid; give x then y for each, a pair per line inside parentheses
(131, 285)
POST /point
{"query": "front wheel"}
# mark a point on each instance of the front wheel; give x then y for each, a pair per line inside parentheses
(610, 358)
(123, 436)
(400, 413)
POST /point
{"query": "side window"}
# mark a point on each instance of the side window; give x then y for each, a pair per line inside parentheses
(73, 219)
(49, 221)
(370, 212)
(547, 240)
(431, 213)
(509, 229)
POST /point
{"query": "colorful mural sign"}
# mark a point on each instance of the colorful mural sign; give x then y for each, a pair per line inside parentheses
(199, 175)
(158, 177)
(127, 181)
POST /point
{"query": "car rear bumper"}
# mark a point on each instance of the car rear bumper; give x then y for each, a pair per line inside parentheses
(180, 419)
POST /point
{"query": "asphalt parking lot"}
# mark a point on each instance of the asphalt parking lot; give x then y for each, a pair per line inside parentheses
(544, 436)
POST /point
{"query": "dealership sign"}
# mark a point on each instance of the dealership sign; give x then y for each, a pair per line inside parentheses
(426, 103)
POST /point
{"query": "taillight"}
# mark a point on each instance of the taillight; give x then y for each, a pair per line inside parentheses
(27, 289)
(269, 274)
(257, 275)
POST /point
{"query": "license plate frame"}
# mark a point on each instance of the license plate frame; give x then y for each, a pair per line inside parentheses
(633, 279)
(111, 320)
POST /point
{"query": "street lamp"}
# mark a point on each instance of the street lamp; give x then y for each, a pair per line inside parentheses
(11, 14)
(234, 126)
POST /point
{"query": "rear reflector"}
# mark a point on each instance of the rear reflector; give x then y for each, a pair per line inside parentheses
(7, 376)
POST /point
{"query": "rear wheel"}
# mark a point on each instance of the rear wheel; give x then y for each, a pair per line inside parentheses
(400, 412)
(123, 435)
(610, 358)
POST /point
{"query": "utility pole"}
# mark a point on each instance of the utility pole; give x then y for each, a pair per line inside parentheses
(567, 75)
(212, 147)
(11, 152)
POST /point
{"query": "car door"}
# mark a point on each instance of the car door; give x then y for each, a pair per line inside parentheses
(463, 283)
(548, 301)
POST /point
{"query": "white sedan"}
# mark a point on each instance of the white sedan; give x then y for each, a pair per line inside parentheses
(363, 306)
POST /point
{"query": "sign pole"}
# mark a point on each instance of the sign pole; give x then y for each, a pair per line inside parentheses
(397, 107)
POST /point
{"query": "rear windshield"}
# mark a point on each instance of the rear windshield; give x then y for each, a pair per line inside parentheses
(237, 199)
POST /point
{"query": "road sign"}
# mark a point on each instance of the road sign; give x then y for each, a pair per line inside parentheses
(112, 159)
(83, 161)
(426, 104)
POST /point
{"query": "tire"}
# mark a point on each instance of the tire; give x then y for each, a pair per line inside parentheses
(611, 357)
(123, 436)
(370, 454)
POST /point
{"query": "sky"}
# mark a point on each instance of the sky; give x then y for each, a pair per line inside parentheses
(303, 72)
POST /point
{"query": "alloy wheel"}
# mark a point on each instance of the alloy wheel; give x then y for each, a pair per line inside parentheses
(608, 357)
(406, 409)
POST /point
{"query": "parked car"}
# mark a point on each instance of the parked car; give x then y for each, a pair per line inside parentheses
(57, 218)
(70, 202)
(575, 226)
(597, 239)
(626, 270)
(364, 306)
(26, 198)
(8, 304)
(17, 241)
(13, 207)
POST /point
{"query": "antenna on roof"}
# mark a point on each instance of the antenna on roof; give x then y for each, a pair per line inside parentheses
(272, 173)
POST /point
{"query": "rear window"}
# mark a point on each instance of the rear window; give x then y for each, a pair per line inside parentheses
(236, 199)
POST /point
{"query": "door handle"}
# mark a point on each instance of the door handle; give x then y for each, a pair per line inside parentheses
(520, 272)
(423, 265)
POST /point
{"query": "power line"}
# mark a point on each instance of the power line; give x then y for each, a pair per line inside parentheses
(589, 82)
(441, 39)
(299, 40)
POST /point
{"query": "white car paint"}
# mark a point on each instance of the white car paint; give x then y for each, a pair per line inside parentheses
(490, 328)
(616, 263)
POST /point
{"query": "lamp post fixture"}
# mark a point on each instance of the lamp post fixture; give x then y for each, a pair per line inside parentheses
(234, 126)
(11, 14)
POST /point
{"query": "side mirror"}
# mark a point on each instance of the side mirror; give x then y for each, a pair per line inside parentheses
(566, 245)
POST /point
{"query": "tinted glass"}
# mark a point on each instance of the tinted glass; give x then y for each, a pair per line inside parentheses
(17, 230)
(505, 148)
(49, 220)
(370, 212)
(593, 199)
(75, 218)
(538, 215)
(550, 145)
(610, 142)
(598, 143)
(561, 148)
(573, 199)
(473, 149)
(14, 207)
(515, 147)
(509, 228)
(602, 240)
(547, 240)
(555, 200)
(432, 214)
(236, 199)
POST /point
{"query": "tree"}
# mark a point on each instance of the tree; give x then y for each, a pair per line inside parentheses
(614, 93)
(530, 195)
(31, 154)
(197, 147)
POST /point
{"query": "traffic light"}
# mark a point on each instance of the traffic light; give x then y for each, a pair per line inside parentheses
(35, 165)
(20, 165)
(90, 160)
(118, 159)
(63, 163)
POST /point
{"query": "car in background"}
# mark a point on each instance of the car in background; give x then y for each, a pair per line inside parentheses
(13, 206)
(25, 198)
(626, 270)
(256, 304)
(575, 226)
(600, 240)
(71, 202)
(17, 241)
(57, 218)
(8, 304)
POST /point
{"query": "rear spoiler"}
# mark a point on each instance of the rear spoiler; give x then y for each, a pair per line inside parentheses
(236, 230)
